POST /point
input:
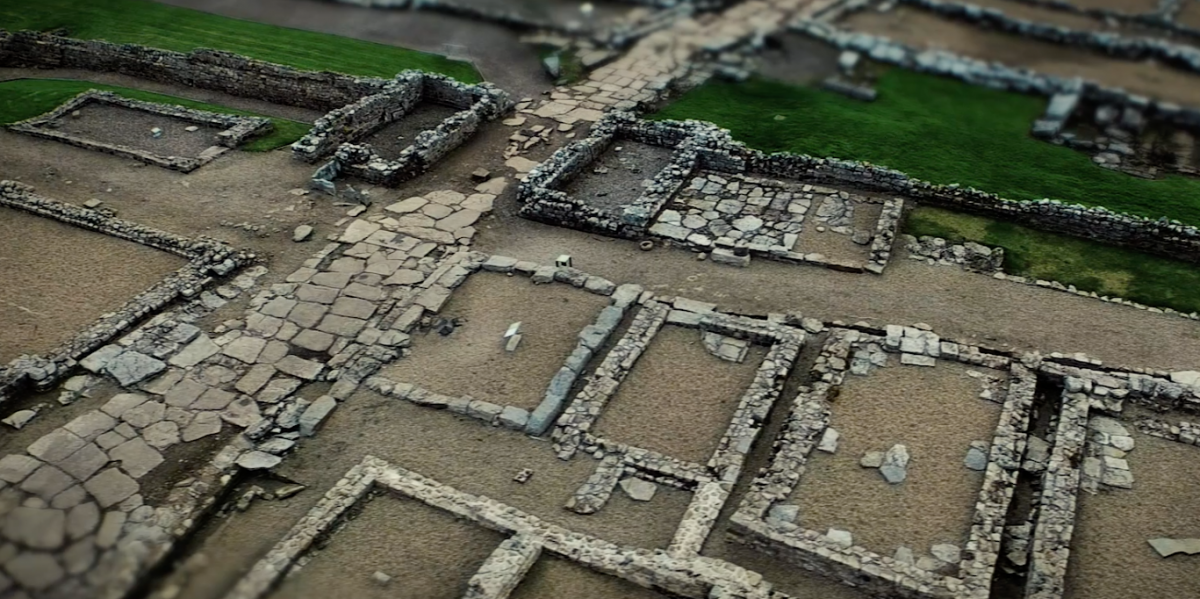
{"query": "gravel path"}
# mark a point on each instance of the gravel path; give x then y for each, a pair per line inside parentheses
(936, 414)
(496, 51)
(1110, 556)
(472, 360)
(679, 399)
(58, 278)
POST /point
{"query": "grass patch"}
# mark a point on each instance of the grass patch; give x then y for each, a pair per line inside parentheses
(1088, 265)
(936, 129)
(180, 29)
(22, 99)
(570, 66)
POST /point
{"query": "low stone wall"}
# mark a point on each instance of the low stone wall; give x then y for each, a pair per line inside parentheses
(238, 129)
(716, 150)
(691, 576)
(877, 575)
(1162, 18)
(208, 258)
(992, 74)
(1132, 48)
(357, 120)
(478, 104)
(203, 68)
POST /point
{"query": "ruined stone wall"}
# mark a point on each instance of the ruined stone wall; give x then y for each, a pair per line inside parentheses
(208, 258)
(203, 68)
(354, 121)
(1132, 48)
(542, 199)
(994, 75)
(478, 104)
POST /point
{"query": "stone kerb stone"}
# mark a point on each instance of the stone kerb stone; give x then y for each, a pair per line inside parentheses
(201, 68)
(238, 129)
(208, 258)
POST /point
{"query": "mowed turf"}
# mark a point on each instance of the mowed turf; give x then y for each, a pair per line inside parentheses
(936, 129)
(180, 29)
(1088, 265)
(22, 99)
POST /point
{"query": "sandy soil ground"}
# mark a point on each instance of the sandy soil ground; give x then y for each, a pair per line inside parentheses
(192, 93)
(936, 414)
(496, 51)
(118, 125)
(1110, 556)
(925, 30)
(59, 278)
(798, 59)
(557, 578)
(839, 246)
(793, 580)
(679, 398)
(1190, 15)
(472, 360)
(429, 554)
(627, 170)
(959, 305)
(1132, 7)
(389, 141)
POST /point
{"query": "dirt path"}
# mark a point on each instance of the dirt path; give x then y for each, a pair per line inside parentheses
(495, 51)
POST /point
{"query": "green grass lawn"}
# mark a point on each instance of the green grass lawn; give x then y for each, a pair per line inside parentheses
(936, 129)
(22, 99)
(180, 29)
(1087, 265)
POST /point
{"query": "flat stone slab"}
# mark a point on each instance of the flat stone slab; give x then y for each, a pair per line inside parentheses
(258, 460)
(131, 368)
(111, 487)
(1168, 547)
(638, 489)
(316, 414)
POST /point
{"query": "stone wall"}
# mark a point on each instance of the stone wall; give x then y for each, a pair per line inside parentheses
(354, 121)
(208, 259)
(238, 129)
(203, 68)
(716, 150)
(478, 104)
(1132, 48)
(994, 75)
